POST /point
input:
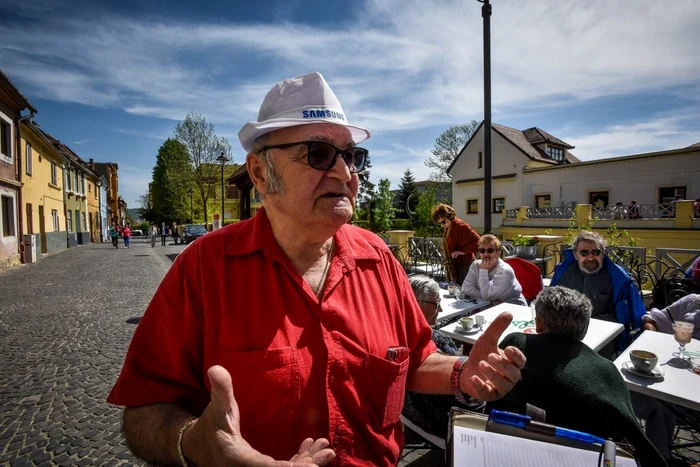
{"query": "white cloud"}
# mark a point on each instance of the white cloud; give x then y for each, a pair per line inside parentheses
(639, 137)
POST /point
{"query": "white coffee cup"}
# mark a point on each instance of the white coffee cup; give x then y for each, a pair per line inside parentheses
(467, 323)
(480, 320)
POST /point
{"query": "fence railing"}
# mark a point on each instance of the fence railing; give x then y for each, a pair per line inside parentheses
(638, 211)
(565, 212)
(511, 213)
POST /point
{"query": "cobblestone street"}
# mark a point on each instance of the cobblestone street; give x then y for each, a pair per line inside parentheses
(65, 326)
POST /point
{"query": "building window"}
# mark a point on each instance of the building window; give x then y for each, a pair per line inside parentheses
(5, 138)
(85, 229)
(8, 216)
(669, 193)
(54, 174)
(82, 184)
(472, 206)
(77, 185)
(599, 199)
(54, 217)
(28, 158)
(69, 220)
(69, 180)
(481, 160)
(543, 201)
(555, 153)
(498, 205)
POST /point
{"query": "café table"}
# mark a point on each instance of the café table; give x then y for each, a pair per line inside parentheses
(678, 385)
(599, 334)
(453, 308)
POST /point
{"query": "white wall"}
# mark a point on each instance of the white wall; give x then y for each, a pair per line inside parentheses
(635, 178)
(505, 159)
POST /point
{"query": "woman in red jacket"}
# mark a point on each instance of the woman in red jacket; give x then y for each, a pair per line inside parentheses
(459, 242)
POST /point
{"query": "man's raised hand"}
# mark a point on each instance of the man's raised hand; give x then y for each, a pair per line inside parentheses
(215, 438)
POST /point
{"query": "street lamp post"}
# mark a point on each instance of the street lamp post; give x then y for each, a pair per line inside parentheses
(191, 212)
(222, 159)
(486, 14)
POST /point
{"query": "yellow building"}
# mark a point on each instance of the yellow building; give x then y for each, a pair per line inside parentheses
(42, 190)
(93, 205)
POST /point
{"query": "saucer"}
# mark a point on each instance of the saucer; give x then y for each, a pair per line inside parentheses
(449, 295)
(656, 373)
(461, 330)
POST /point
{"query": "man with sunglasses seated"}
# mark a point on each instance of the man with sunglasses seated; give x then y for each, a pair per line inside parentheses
(586, 268)
(292, 335)
(490, 278)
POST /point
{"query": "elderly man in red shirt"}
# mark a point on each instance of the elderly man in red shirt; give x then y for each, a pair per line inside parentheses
(292, 335)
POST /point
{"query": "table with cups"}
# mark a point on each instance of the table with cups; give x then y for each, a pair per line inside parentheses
(672, 378)
(453, 307)
(599, 334)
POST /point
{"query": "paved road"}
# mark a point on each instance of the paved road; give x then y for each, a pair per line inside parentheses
(65, 325)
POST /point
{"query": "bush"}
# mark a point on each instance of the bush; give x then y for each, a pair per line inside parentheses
(402, 224)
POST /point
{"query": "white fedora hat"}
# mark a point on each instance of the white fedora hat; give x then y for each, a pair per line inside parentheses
(298, 101)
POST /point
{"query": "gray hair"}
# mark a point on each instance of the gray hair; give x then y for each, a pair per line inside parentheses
(588, 236)
(424, 288)
(563, 311)
(275, 184)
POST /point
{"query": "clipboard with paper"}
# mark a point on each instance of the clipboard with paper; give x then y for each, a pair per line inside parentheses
(476, 442)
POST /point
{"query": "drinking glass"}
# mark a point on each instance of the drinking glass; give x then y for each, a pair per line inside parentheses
(458, 294)
(683, 333)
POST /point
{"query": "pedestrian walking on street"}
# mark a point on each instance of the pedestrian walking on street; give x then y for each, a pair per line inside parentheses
(154, 234)
(163, 234)
(114, 234)
(174, 233)
(126, 233)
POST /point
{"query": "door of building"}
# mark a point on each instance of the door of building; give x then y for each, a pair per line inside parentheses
(30, 219)
(42, 229)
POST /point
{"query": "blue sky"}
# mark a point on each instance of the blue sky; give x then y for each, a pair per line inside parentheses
(111, 79)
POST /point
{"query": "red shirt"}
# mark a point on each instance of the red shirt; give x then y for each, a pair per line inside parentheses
(300, 368)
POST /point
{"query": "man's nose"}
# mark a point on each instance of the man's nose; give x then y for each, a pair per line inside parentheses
(340, 169)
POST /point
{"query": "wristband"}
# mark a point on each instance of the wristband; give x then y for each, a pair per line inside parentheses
(454, 379)
(179, 441)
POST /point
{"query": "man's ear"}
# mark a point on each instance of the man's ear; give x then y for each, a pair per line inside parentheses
(257, 172)
(539, 328)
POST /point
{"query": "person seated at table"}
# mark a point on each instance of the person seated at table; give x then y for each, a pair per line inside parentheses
(694, 270)
(430, 412)
(490, 278)
(573, 384)
(587, 269)
(684, 309)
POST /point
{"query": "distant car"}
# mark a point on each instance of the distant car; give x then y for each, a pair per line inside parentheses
(137, 233)
(193, 232)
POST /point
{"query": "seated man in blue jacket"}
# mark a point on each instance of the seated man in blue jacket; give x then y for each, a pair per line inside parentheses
(587, 269)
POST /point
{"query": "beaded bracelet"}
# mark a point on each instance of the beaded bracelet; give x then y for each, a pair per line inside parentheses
(179, 441)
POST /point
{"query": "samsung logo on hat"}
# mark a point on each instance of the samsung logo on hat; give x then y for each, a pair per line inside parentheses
(322, 113)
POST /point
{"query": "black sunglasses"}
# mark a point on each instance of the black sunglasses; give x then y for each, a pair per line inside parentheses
(486, 250)
(322, 155)
(585, 253)
(432, 303)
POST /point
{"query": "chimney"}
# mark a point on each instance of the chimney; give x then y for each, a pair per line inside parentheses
(92, 164)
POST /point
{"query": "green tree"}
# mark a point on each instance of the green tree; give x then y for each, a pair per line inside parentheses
(366, 192)
(447, 148)
(204, 147)
(383, 212)
(407, 187)
(425, 227)
(172, 178)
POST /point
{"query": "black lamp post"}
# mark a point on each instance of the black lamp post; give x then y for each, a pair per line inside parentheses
(486, 14)
(222, 159)
(191, 213)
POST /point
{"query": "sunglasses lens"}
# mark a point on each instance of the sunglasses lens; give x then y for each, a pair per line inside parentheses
(321, 156)
(355, 158)
(486, 250)
(596, 252)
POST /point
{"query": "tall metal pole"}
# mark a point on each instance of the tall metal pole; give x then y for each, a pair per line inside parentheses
(191, 213)
(486, 14)
(223, 195)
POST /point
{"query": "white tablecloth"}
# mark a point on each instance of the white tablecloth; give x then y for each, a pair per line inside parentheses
(452, 308)
(679, 385)
(599, 332)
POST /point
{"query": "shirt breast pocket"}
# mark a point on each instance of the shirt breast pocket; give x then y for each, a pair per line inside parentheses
(388, 387)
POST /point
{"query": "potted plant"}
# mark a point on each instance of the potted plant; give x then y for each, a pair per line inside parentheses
(526, 247)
